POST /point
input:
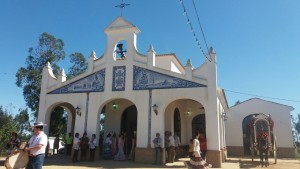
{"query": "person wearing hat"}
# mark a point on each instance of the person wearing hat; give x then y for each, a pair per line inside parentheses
(36, 146)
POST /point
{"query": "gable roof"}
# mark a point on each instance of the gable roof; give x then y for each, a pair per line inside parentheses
(259, 99)
(121, 23)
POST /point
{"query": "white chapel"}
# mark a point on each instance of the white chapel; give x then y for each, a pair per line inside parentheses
(140, 93)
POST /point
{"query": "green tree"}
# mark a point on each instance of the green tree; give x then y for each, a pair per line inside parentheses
(23, 124)
(297, 128)
(58, 122)
(7, 126)
(79, 65)
(50, 50)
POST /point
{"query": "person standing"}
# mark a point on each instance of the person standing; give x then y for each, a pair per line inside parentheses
(158, 148)
(69, 142)
(84, 145)
(203, 145)
(167, 146)
(172, 148)
(36, 146)
(14, 143)
(133, 145)
(92, 145)
(120, 155)
(114, 141)
(56, 145)
(196, 162)
(107, 155)
(76, 147)
(177, 144)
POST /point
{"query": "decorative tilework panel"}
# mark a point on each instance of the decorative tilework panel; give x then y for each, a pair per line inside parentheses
(91, 83)
(144, 79)
(119, 77)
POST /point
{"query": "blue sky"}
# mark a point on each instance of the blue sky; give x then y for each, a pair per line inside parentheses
(257, 42)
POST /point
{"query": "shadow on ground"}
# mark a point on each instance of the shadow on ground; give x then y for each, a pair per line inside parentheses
(61, 160)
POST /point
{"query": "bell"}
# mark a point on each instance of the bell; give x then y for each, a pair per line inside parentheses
(121, 52)
(120, 46)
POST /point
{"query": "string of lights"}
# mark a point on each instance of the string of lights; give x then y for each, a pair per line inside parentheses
(274, 98)
(192, 30)
(198, 18)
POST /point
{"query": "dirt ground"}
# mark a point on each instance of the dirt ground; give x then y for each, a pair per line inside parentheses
(63, 162)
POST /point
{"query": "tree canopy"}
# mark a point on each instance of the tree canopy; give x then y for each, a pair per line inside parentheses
(49, 49)
(18, 124)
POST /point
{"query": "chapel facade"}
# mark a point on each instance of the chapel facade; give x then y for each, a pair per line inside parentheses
(142, 94)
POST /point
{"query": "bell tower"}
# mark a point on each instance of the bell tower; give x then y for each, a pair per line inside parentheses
(121, 39)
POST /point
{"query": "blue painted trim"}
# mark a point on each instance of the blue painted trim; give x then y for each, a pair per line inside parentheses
(144, 79)
(92, 83)
(119, 78)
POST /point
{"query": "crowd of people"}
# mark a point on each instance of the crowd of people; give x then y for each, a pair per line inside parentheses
(197, 149)
(82, 144)
(113, 147)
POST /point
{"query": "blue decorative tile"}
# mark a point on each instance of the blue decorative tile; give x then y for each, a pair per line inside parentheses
(119, 77)
(91, 83)
(144, 79)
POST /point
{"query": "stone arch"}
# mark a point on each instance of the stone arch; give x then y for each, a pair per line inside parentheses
(71, 114)
(112, 112)
(246, 133)
(187, 108)
(199, 124)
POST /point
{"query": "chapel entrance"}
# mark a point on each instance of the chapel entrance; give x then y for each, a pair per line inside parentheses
(183, 117)
(117, 117)
(129, 127)
(198, 124)
(247, 134)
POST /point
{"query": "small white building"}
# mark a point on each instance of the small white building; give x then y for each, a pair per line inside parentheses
(237, 126)
(125, 89)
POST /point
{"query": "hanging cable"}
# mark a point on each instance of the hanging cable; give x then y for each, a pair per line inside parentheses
(192, 30)
(200, 25)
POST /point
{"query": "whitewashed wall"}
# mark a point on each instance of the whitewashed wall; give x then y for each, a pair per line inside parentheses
(279, 113)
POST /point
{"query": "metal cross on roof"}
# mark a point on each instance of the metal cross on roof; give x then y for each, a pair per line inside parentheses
(122, 6)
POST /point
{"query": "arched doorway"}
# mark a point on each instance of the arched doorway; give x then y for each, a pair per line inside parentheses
(60, 119)
(129, 127)
(177, 123)
(198, 124)
(118, 116)
(179, 115)
(246, 134)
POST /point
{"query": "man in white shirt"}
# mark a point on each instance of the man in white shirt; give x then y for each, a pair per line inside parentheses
(36, 146)
(76, 147)
(92, 145)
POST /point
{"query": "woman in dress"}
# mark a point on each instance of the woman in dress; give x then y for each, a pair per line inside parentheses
(120, 155)
(107, 151)
(196, 161)
(114, 141)
(133, 145)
